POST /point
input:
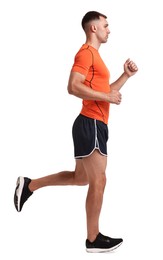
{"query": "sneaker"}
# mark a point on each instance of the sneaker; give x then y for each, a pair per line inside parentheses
(22, 192)
(103, 244)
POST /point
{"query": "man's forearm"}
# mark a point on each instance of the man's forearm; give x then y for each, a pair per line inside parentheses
(117, 85)
(87, 93)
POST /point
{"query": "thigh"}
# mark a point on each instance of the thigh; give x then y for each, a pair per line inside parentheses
(80, 174)
(95, 165)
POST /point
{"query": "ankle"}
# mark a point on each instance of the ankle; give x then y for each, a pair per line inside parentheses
(31, 186)
(92, 237)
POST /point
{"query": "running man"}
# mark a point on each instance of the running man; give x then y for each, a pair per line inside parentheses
(89, 80)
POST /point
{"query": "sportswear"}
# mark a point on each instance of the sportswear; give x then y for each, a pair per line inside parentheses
(88, 62)
(103, 244)
(22, 192)
(89, 134)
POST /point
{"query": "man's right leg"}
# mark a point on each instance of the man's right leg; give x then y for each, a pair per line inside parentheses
(95, 166)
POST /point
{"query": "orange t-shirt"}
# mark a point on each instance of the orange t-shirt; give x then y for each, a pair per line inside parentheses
(89, 63)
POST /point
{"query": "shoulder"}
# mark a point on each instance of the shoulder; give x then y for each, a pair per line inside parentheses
(84, 53)
(83, 61)
(84, 57)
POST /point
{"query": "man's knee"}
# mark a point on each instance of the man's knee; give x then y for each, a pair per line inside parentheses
(79, 178)
(102, 181)
(99, 182)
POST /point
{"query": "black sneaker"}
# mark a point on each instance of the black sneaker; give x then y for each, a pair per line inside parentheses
(22, 192)
(103, 244)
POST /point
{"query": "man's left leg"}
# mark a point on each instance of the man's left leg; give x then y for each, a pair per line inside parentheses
(25, 186)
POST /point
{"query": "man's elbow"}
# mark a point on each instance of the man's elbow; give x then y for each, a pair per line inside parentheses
(71, 89)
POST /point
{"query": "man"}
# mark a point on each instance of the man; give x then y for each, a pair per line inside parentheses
(89, 80)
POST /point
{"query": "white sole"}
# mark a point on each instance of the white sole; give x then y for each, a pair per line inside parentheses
(20, 182)
(102, 250)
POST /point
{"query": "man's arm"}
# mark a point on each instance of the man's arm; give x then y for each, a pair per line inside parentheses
(130, 69)
(77, 88)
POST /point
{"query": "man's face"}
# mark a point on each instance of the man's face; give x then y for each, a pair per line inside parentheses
(102, 29)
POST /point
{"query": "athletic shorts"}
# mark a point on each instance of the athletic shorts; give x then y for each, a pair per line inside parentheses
(89, 134)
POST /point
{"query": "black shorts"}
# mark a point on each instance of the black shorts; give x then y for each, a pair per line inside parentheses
(89, 134)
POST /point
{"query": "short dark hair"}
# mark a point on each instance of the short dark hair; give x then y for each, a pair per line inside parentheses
(90, 16)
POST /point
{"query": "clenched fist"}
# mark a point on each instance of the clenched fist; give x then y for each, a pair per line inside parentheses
(130, 68)
(114, 97)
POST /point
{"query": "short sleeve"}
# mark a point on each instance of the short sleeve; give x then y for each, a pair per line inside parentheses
(82, 62)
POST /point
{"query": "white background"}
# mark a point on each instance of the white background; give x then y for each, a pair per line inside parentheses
(38, 41)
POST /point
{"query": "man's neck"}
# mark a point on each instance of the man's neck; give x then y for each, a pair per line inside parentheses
(94, 44)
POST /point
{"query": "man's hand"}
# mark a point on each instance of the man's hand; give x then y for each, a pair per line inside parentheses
(130, 68)
(114, 97)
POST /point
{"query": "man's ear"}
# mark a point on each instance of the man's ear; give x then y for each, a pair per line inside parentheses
(93, 28)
